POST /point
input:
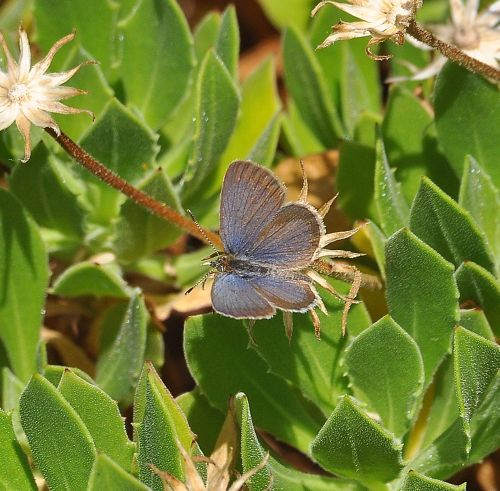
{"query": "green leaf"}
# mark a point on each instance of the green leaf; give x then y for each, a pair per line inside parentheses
(441, 223)
(205, 34)
(227, 44)
(411, 144)
(476, 362)
(377, 241)
(480, 286)
(120, 365)
(54, 374)
(293, 13)
(418, 482)
(52, 205)
(391, 205)
(254, 120)
(107, 474)
(74, 15)
(264, 149)
(23, 275)
(481, 199)
(101, 416)
(158, 59)
(140, 233)
(15, 472)
(204, 419)
(92, 79)
(475, 321)
(277, 409)
(86, 278)
(307, 87)
(159, 424)
(462, 131)
(353, 445)
(217, 108)
(352, 77)
(444, 457)
(275, 475)
(12, 388)
(126, 146)
(61, 445)
(315, 368)
(415, 272)
(375, 362)
(356, 166)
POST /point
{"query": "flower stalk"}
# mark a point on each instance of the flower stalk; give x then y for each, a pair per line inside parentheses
(142, 199)
(453, 53)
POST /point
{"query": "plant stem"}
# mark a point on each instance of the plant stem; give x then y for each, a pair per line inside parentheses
(142, 199)
(452, 52)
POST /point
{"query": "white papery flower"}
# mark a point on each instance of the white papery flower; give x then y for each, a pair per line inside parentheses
(380, 19)
(28, 94)
(477, 34)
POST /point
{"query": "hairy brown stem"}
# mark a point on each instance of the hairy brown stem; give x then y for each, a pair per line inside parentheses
(142, 199)
(452, 52)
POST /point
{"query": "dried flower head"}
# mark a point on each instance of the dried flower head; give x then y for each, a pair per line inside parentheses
(28, 93)
(477, 34)
(381, 19)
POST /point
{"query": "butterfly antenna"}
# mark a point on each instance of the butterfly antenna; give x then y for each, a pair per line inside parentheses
(202, 281)
(202, 233)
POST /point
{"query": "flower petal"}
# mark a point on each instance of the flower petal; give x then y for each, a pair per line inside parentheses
(60, 108)
(24, 55)
(11, 63)
(42, 66)
(8, 114)
(58, 78)
(40, 118)
(23, 125)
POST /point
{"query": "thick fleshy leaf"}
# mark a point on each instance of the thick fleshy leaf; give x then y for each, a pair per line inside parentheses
(475, 321)
(315, 368)
(377, 242)
(158, 424)
(476, 362)
(217, 108)
(123, 144)
(307, 87)
(86, 278)
(120, 365)
(101, 416)
(12, 388)
(411, 144)
(140, 233)
(415, 272)
(15, 472)
(107, 474)
(204, 420)
(23, 277)
(478, 285)
(352, 78)
(275, 474)
(277, 409)
(253, 120)
(356, 165)
(157, 59)
(418, 482)
(227, 44)
(353, 445)
(375, 362)
(450, 230)
(445, 456)
(392, 208)
(61, 445)
(295, 12)
(73, 15)
(463, 102)
(52, 205)
(205, 34)
(90, 78)
(481, 199)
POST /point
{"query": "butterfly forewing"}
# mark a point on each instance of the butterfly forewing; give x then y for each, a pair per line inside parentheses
(289, 240)
(250, 198)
